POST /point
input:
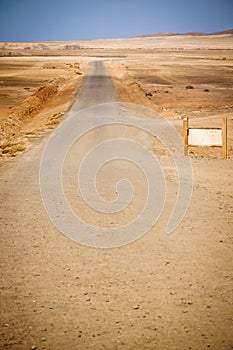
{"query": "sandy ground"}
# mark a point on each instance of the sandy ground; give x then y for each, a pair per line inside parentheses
(197, 84)
(219, 41)
(34, 95)
(161, 292)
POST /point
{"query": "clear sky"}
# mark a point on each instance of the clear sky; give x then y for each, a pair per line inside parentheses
(46, 20)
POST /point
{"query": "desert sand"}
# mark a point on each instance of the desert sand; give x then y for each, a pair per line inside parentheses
(168, 292)
(160, 67)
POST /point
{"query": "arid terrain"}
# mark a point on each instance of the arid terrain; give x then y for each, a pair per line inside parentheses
(165, 292)
(193, 83)
(175, 75)
(34, 94)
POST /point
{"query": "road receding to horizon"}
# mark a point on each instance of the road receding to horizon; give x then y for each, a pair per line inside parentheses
(165, 291)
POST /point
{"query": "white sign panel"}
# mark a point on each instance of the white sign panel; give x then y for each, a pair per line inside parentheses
(205, 137)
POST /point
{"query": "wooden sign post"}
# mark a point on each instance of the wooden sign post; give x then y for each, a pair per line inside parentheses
(211, 137)
(185, 134)
(224, 138)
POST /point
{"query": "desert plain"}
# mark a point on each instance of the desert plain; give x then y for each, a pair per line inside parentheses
(162, 291)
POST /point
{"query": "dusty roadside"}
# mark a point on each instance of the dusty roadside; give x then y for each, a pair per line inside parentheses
(169, 292)
(34, 95)
(175, 86)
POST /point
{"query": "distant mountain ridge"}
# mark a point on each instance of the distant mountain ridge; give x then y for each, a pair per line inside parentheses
(224, 32)
(195, 40)
(229, 31)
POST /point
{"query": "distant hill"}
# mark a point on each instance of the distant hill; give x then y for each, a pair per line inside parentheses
(225, 32)
(229, 31)
(194, 33)
(158, 34)
(192, 40)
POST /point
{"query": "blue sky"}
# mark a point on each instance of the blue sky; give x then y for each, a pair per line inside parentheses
(46, 20)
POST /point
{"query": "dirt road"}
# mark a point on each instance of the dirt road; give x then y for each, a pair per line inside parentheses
(160, 292)
(97, 88)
